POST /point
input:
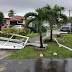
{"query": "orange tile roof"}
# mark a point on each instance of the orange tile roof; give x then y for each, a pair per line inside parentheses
(15, 18)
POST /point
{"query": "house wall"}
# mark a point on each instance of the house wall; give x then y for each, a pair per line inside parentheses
(30, 25)
(23, 21)
(7, 23)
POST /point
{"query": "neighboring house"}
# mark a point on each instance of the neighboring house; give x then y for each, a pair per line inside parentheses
(2, 26)
(15, 20)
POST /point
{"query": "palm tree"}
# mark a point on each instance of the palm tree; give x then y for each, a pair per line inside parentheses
(11, 13)
(1, 18)
(54, 16)
(38, 17)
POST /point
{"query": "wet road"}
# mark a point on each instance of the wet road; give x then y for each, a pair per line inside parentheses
(36, 65)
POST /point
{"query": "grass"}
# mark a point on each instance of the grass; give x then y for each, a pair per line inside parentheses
(30, 53)
(62, 52)
(25, 53)
(66, 40)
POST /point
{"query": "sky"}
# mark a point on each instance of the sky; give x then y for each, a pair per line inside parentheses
(23, 6)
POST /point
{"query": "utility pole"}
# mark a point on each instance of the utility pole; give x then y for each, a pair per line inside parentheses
(69, 19)
(69, 12)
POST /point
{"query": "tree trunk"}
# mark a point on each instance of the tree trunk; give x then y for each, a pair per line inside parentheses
(41, 43)
(71, 28)
(51, 35)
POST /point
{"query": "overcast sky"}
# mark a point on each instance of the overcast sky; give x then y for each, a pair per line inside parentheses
(22, 6)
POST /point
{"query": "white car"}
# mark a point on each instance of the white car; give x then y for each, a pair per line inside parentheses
(17, 26)
(66, 28)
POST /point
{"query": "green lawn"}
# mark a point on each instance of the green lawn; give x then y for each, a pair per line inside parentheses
(66, 40)
(30, 53)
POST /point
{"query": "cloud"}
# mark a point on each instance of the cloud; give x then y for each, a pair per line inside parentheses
(21, 6)
(34, 3)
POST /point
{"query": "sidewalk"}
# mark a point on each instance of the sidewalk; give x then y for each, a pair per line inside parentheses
(4, 53)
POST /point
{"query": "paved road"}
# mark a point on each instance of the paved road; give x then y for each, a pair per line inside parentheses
(34, 65)
(36, 38)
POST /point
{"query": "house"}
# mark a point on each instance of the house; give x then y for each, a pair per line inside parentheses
(15, 20)
(2, 26)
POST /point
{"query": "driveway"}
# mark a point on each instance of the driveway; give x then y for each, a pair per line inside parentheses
(5, 53)
(36, 39)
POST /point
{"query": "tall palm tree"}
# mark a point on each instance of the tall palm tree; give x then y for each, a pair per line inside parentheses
(54, 16)
(38, 17)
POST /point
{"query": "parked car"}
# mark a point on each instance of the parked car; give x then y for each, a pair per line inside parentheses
(18, 27)
(66, 28)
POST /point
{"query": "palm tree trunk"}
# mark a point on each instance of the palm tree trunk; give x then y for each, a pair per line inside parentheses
(71, 28)
(51, 34)
(41, 43)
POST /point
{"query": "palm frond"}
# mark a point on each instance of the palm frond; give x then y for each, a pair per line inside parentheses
(30, 14)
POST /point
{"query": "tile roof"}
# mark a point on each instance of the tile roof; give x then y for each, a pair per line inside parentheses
(15, 18)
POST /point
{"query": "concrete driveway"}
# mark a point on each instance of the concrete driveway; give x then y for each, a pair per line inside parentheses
(5, 53)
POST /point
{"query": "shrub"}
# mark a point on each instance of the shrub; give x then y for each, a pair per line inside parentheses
(58, 35)
(16, 31)
(9, 30)
(46, 40)
(5, 35)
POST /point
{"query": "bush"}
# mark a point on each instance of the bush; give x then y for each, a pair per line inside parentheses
(5, 35)
(43, 29)
(16, 31)
(7, 31)
(58, 35)
(46, 40)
